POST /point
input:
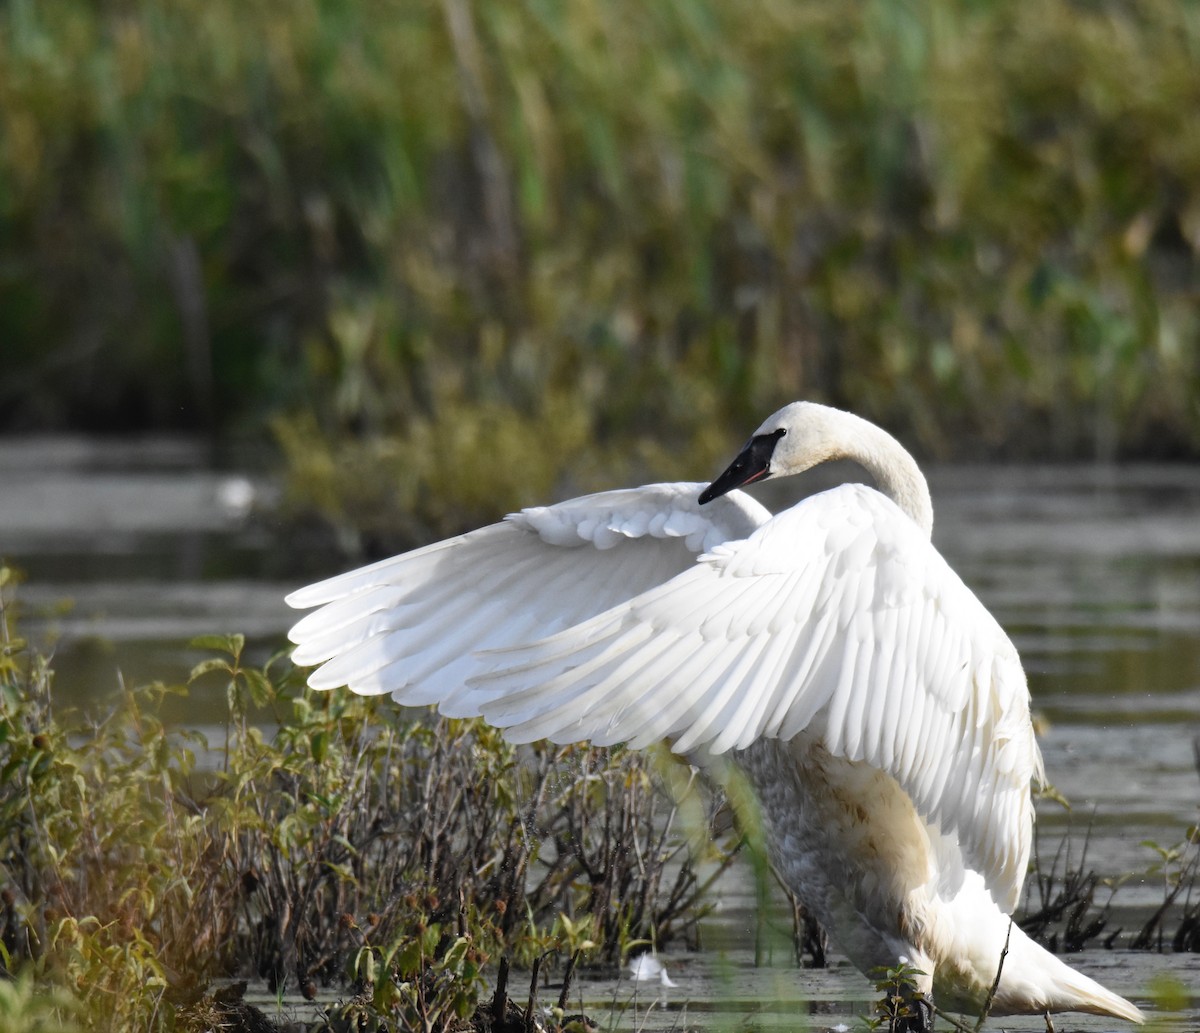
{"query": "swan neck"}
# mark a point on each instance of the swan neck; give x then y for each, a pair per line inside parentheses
(894, 471)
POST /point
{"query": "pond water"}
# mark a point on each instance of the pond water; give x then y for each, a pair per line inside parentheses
(132, 548)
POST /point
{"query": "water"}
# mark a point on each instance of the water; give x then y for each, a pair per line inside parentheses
(726, 991)
(131, 549)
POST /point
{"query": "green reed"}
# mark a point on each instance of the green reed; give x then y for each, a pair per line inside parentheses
(384, 223)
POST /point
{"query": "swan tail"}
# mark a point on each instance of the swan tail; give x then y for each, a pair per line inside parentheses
(1033, 980)
(1081, 993)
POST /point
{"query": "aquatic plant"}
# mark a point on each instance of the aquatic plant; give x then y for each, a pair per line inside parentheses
(898, 1007)
(1061, 909)
(138, 862)
(1178, 866)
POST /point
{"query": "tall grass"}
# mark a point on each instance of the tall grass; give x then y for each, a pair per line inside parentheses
(978, 223)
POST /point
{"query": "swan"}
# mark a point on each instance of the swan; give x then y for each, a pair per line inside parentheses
(879, 711)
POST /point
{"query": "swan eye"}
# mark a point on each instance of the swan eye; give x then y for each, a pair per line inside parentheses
(753, 463)
(765, 444)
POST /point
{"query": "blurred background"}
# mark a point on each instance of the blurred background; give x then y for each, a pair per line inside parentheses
(482, 248)
(304, 282)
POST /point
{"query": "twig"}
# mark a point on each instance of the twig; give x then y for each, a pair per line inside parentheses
(566, 987)
(533, 982)
(951, 1019)
(991, 995)
(499, 997)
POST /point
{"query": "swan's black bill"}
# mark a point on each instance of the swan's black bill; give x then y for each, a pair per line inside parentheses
(752, 464)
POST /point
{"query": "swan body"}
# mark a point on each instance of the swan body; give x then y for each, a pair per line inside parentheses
(877, 708)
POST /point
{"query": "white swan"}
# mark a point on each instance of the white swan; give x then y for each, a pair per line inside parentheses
(879, 710)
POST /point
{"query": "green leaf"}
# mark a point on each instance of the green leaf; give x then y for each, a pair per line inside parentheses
(318, 744)
(204, 667)
(364, 965)
(408, 959)
(230, 644)
(260, 688)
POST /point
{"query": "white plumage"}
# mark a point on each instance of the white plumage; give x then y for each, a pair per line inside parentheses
(877, 707)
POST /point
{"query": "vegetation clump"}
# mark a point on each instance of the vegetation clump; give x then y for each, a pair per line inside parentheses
(343, 848)
(1062, 910)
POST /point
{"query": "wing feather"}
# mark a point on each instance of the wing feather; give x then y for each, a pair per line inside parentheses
(415, 625)
(836, 616)
(594, 619)
(707, 709)
(886, 714)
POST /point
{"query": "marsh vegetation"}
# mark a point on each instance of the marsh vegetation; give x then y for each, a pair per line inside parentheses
(327, 848)
(342, 848)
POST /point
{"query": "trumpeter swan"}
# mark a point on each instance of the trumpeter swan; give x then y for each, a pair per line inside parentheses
(878, 709)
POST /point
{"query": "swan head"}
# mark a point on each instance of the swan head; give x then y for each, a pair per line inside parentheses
(804, 434)
(796, 438)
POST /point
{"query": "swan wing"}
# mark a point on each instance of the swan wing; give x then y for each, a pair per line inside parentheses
(837, 616)
(413, 625)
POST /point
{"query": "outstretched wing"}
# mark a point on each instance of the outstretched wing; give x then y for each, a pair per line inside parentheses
(837, 616)
(414, 625)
